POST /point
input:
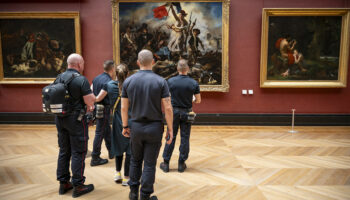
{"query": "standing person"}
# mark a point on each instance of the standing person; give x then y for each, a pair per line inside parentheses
(147, 94)
(103, 129)
(194, 51)
(120, 144)
(182, 89)
(72, 132)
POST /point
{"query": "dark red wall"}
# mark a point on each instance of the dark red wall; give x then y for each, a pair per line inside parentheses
(244, 62)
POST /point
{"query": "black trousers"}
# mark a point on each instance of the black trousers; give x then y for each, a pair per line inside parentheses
(73, 144)
(146, 141)
(119, 163)
(103, 131)
(179, 120)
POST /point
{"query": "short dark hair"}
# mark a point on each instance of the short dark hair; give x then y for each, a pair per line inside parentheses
(108, 65)
(197, 30)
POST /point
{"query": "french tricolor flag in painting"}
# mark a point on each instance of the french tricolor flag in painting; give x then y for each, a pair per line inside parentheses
(161, 11)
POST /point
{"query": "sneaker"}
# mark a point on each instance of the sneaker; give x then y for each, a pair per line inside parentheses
(65, 187)
(182, 167)
(164, 166)
(118, 177)
(82, 189)
(125, 182)
(98, 161)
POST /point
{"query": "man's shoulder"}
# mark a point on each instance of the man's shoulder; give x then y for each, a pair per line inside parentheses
(100, 76)
(79, 79)
(174, 78)
(158, 77)
(193, 81)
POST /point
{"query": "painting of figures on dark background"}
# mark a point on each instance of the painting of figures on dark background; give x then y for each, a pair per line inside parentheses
(304, 47)
(36, 48)
(189, 30)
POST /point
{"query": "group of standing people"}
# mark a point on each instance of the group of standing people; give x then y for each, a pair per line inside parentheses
(137, 104)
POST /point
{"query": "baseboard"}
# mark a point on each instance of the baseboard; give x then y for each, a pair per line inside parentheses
(211, 119)
(274, 119)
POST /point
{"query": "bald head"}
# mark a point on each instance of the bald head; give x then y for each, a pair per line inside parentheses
(145, 58)
(75, 61)
(182, 66)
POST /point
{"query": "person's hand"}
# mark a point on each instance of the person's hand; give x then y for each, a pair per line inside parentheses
(169, 136)
(90, 108)
(126, 132)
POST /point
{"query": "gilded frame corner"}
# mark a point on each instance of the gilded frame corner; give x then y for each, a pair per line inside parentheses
(314, 12)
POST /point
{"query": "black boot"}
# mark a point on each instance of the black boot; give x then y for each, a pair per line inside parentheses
(147, 197)
(134, 193)
(164, 166)
(97, 160)
(65, 187)
(82, 189)
(182, 166)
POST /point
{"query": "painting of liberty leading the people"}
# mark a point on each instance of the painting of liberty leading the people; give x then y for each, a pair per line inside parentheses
(174, 30)
(36, 48)
(304, 47)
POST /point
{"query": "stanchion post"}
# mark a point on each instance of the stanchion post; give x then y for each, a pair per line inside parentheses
(293, 131)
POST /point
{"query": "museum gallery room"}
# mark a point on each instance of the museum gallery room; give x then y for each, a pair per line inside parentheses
(259, 94)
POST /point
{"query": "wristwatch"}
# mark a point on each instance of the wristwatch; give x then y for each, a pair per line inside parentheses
(127, 126)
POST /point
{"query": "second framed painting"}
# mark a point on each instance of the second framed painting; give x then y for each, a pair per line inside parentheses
(34, 46)
(193, 30)
(304, 48)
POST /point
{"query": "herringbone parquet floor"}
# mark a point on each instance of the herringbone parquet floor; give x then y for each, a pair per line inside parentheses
(226, 162)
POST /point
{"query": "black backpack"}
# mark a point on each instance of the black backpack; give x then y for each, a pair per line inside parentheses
(56, 97)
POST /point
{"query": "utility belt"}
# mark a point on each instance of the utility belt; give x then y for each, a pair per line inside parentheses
(82, 113)
(100, 109)
(186, 114)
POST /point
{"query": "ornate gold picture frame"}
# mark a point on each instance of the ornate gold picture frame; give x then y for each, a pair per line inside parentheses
(196, 30)
(34, 45)
(304, 48)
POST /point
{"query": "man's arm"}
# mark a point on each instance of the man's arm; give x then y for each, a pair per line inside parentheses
(89, 100)
(125, 117)
(174, 13)
(197, 98)
(101, 95)
(168, 110)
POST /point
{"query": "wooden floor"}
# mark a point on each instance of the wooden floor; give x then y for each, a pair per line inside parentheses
(226, 162)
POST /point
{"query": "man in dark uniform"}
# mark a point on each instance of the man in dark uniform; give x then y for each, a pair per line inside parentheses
(147, 94)
(73, 130)
(182, 89)
(103, 129)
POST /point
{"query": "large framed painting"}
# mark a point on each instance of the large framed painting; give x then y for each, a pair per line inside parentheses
(34, 45)
(304, 48)
(195, 30)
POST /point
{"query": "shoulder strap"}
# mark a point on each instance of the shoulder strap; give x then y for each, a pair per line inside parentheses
(115, 104)
(58, 79)
(70, 79)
